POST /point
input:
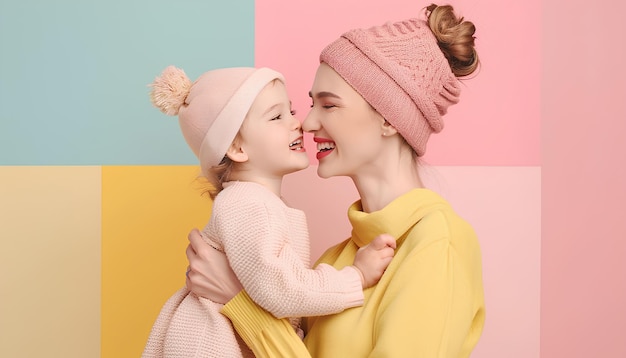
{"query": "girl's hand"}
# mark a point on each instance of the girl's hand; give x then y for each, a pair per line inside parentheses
(372, 260)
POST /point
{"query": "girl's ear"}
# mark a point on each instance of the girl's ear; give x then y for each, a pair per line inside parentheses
(388, 129)
(236, 153)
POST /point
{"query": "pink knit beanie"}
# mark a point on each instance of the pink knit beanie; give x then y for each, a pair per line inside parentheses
(400, 71)
(212, 109)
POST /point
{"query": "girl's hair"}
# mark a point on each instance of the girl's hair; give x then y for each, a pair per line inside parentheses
(217, 175)
(455, 38)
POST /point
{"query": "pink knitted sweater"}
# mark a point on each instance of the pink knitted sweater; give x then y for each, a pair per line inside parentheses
(267, 245)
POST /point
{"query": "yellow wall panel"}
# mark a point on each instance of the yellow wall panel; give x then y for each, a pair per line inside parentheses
(147, 212)
(49, 261)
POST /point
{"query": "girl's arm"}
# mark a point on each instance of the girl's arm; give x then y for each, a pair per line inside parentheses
(271, 270)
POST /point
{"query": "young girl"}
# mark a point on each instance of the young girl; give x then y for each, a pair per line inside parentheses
(239, 123)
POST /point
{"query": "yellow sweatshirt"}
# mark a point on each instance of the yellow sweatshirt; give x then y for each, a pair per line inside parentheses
(429, 303)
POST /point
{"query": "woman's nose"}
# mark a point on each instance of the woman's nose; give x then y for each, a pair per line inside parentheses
(310, 124)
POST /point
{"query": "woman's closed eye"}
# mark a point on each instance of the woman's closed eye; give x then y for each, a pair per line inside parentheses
(326, 106)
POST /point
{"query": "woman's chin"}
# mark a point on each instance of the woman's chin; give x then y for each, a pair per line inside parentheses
(325, 172)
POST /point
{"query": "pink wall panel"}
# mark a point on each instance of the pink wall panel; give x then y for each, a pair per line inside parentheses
(497, 121)
(583, 290)
(504, 206)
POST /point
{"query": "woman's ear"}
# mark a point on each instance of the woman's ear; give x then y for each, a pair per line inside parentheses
(387, 129)
(236, 153)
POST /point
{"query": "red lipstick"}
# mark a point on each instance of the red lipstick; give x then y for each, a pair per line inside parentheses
(323, 153)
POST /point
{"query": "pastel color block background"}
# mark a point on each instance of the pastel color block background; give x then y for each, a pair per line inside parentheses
(98, 190)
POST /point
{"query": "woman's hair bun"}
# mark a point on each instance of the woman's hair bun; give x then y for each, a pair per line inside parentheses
(455, 37)
(169, 90)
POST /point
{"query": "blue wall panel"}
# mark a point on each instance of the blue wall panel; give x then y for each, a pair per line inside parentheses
(74, 75)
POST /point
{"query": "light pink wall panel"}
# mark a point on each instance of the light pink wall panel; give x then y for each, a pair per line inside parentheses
(583, 290)
(326, 203)
(504, 206)
(498, 119)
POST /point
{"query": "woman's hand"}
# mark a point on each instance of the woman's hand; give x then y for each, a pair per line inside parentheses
(209, 274)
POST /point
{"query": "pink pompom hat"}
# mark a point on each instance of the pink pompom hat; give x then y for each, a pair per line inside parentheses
(211, 109)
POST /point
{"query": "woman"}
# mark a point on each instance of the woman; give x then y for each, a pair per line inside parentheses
(378, 94)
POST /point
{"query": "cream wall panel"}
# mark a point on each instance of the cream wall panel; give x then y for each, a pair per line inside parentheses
(50, 261)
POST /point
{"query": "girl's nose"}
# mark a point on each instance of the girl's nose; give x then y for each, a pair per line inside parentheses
(296, 125)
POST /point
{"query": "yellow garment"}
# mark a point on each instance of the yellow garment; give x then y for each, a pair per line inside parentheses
(429, 302)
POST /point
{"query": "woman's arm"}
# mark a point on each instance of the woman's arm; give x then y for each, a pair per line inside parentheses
(209, 274)
(266, 335)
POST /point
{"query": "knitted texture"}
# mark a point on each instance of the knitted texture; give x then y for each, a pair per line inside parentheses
(267, 246)
(400, 71)
(192, 327)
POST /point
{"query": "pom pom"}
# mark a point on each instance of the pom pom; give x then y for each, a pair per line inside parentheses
(170, 90)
